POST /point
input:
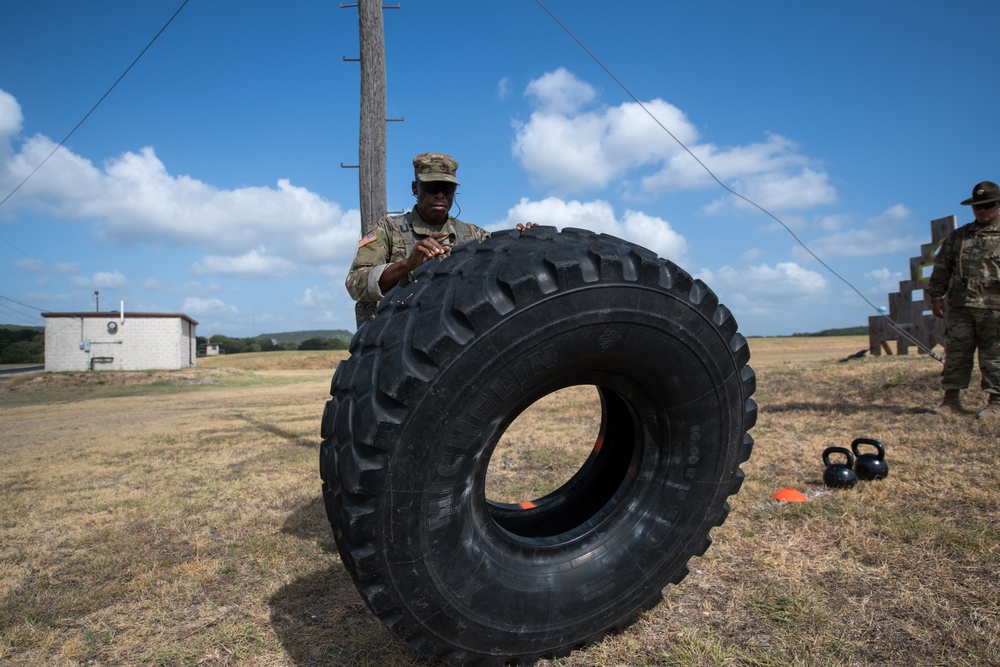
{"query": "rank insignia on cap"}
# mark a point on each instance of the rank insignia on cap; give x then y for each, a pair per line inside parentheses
(368, 238)
(980, 191)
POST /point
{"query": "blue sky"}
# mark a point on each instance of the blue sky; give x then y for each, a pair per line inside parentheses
(209, 181)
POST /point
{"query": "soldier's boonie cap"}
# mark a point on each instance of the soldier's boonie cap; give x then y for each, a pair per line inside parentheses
(435, 167)
(983, 193)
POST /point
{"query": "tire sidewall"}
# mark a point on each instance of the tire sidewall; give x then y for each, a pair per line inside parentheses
(677, 372)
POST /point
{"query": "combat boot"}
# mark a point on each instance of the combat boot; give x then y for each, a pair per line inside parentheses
(952, 404)
(992, 410)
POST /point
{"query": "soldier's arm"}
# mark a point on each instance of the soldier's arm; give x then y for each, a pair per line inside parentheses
(426, 249)
(943, 266)
(373, 256)
(362, 283)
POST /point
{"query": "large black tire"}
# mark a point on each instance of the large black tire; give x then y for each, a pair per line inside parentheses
(450, 362)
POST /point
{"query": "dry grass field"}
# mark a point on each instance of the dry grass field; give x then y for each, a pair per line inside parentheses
(174, 518)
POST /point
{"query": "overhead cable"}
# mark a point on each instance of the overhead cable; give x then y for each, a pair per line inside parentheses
(92, 109)
(73, 131)
(902, 332)
(4, 296)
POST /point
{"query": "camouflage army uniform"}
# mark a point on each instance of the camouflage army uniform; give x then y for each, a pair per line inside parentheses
(970, 259)
(392, 240)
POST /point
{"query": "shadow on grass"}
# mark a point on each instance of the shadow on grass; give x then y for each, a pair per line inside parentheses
(321, 619)
(291, 437)
(309, 522)
(844, 408)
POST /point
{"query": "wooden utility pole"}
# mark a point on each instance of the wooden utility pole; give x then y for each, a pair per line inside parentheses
(371, 139)
(371, 145)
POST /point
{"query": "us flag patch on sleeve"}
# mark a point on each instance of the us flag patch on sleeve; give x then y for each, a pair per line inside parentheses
(371, 236)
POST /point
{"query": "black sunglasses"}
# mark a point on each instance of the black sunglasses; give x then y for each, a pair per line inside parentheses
(985, 207)
(438, 187)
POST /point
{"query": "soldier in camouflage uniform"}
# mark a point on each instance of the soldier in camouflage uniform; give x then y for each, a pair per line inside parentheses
(970, 259)
(397, 246)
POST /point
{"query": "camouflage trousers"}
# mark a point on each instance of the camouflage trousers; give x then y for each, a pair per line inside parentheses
(968, 329)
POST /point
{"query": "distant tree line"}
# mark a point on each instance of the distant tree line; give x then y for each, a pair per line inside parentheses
(22, 345)
(846, 331)
(238, 345)
(26, 345)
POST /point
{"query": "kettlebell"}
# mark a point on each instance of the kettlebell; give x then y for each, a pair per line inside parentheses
(839, 475)
(870, 466)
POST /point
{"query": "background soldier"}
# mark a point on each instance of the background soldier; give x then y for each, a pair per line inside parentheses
(970, 259)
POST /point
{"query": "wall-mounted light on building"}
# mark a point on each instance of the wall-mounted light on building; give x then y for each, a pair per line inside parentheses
(112, 327)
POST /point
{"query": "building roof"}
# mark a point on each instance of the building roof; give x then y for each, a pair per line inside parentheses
(128, 314)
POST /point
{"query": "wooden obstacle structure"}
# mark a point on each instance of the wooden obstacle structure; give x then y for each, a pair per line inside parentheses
(913, 317)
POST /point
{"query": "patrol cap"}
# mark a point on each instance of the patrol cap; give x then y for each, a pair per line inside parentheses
(435, 167)
(983, 193)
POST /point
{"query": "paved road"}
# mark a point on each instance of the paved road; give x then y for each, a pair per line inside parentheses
(21, 369)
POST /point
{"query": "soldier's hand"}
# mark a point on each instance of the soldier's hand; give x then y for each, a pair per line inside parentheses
(426, 249)
(937, 307)
(527, 225)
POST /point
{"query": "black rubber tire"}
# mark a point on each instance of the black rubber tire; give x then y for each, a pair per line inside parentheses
(450, 362)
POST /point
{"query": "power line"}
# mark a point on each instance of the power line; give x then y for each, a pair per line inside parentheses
(37, 261)
(725, 187)
(94, 108)
(24, 317)
(71, 133)
(4, 296)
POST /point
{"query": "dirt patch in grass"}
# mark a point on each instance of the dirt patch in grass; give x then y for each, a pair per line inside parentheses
(175, 519)
(277, 361)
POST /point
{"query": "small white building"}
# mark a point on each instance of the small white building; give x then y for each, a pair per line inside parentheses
(209, 350)
(119, 341)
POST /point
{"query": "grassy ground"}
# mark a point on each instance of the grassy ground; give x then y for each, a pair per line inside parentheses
(175, 519)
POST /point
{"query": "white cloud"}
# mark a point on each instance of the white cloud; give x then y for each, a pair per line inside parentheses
(763, 290)
(66, 182)
(101, 280)
(133, 198)
(154, 285)
(106, 279)
(194, 305)
(682, 171)
(783, 191)
(254, 264)
(564, 152)
(883, 281)
(893, 214)
(503, 88)
(881, 234)
(653, 233)
(648, 231)
(35, 266)
(11, 120)
(560, 92)
(571, 148)
(313, 297)
(53, 297)
(833, 223)
(777, 192)
(857, 243)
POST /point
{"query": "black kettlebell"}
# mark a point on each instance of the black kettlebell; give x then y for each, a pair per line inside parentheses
(839, 475)
(870, 466)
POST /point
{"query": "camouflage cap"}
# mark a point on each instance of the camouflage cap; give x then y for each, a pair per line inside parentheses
(983, 193)
(435, 167)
